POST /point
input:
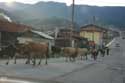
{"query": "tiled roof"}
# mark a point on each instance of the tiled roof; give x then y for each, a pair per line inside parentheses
(12, 27)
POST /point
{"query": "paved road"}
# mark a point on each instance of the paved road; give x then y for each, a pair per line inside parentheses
(111, 69)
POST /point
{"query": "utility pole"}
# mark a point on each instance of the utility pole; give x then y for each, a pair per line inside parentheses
(73, 9)
(93, 21)
(56, 33)
(72, 25)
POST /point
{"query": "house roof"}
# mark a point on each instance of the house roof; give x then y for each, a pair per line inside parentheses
(12, 27)
(42, 34)
(92, 27)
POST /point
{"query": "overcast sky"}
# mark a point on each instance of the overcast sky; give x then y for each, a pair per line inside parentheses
(86, 2)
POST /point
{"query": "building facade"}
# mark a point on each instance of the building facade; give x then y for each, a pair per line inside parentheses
(93, 33)
(9, 32)
(68, 38)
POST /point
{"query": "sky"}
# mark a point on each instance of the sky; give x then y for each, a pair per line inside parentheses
(85, 2)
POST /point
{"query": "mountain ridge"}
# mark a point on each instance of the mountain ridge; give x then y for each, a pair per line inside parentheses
(55, 11)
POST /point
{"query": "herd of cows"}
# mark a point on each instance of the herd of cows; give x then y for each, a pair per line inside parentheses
(32, 51)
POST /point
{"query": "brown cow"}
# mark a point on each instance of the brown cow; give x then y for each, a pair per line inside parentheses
(21, 53)
(70, 52)
(16, 51)
(35, 50)
(82, 52)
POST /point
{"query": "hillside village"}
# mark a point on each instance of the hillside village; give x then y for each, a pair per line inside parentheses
(90, 35)
(54, 42)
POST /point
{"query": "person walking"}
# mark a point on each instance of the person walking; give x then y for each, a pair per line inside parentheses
(107, 50)
(102, 51)
(94, 54)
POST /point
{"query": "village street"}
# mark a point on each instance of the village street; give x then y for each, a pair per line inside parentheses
(108, 69)
(111, 69)
(35, 30)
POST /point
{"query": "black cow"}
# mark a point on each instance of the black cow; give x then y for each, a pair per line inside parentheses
(55, 50)
(8, 51)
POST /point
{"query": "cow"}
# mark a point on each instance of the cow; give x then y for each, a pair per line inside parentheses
(36, 50)
(20, 52)
(69, 52)
(8, 51)
(56, 50)
(82, 52)
(12, 51)
(30, 51)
